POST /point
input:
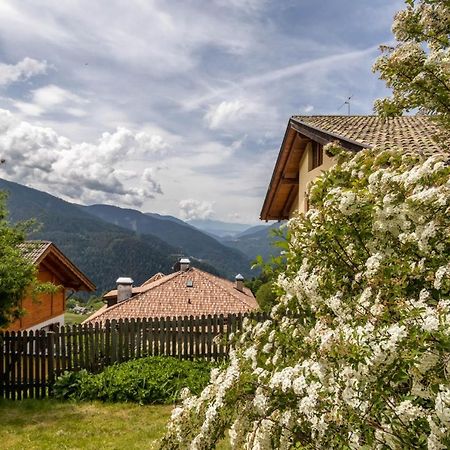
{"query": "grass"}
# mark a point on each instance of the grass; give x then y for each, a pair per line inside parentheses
(93, 304)
(50, 424)
(72, 318)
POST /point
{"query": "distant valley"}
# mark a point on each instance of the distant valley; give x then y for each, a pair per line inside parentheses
(255, 241)
(107, 241)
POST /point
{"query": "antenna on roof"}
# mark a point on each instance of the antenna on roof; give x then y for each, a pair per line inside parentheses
(347, 102)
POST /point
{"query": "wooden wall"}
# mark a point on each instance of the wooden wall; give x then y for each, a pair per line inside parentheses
(44, 307)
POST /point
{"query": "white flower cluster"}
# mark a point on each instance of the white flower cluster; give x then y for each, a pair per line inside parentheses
(417, 68)
(356, 353)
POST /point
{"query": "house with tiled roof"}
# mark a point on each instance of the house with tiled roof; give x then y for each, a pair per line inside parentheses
(47, 310)
(186, 292)
(301, 158)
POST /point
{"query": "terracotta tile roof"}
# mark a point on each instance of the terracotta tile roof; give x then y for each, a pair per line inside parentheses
(170, 296)
(411, 132)
(34, 250)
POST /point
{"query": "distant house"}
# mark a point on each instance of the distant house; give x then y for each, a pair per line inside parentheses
(301, 158)
(111, 296)
(53, 266)
(187, 292)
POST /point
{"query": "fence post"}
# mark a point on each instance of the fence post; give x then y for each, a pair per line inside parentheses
(51, 362)
(2, 365)
(114, 351)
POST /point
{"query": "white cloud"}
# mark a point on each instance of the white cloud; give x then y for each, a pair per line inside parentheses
(81, 171)
(328, 63)
(245, 5)
(158, 37)
(195, 209)
(27, 68)
(29, 109)
(307, 109)
(52, 98)
(234, 116)
(148, 178)
(221, 115)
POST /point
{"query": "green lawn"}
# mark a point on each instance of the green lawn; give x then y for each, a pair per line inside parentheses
(71, 318)
(93, 305)
(50, 424)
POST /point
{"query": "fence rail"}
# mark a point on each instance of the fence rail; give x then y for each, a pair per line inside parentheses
(31, 361)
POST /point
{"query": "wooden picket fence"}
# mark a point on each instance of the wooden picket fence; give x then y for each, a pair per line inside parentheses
(31, 361)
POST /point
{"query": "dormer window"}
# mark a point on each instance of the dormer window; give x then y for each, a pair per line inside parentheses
(316, 156)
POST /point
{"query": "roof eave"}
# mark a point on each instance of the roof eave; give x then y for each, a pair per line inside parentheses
(86, 284)
(316, 134)
(325, 137)
(276, 174)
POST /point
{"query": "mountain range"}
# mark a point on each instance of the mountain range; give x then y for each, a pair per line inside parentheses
(218, 228)
(107, 241)
(193, 242)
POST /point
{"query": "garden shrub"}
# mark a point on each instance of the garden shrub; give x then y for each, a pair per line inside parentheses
(146, 380)
(356, 354)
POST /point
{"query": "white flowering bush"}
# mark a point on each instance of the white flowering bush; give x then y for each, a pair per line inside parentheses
(417, 68)
(357, 351)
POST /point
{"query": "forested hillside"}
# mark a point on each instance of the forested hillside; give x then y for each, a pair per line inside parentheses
(102, 250)
(258, 240)
(192, 241)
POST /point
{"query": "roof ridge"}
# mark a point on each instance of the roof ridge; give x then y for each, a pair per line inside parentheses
(42, 241)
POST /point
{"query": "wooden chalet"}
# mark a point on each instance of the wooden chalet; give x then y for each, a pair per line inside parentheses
(53, 266)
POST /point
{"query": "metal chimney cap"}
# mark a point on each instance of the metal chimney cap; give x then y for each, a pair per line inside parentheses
(124, 280)
(239, 277)
(185, 261)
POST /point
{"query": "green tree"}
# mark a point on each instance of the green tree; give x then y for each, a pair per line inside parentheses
(266, 296)
(17, 274)
(264, 286)
(417, 68)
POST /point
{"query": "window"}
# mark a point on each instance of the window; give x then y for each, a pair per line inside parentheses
(316, 155)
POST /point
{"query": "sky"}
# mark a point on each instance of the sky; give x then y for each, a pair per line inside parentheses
(175, 106)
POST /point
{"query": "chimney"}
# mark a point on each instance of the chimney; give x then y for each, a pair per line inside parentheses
(184, 264)
(239, 282)
(124, 288)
